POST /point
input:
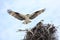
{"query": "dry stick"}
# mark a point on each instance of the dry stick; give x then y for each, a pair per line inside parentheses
(39, 25)
(26, 30)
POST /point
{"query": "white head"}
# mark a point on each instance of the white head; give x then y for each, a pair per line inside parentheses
(27, 15)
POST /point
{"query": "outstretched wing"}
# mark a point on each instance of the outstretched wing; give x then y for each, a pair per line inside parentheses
(16, 15)
(35, 14)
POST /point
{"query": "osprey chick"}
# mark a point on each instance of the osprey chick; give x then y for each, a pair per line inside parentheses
(26, 17)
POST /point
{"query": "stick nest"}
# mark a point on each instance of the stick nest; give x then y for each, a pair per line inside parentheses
(41, 32)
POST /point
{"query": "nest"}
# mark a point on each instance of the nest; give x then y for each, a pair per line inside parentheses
(41, 32)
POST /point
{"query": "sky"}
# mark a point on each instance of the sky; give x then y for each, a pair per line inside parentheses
(10, 25)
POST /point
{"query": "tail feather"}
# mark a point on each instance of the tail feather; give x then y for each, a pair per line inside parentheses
(26, 22)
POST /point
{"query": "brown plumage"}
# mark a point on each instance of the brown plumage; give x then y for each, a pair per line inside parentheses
(27, 17)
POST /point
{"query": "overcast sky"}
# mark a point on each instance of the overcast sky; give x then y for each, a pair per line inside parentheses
(9, 25)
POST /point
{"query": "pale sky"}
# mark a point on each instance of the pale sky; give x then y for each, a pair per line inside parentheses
(9, 25)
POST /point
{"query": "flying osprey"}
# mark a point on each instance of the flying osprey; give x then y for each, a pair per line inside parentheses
(27, 18)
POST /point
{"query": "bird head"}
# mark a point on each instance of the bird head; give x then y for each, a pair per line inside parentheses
(28, 15)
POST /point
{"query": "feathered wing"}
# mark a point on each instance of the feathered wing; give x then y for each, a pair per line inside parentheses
(19, 16)
(16, 15)
(35, 14)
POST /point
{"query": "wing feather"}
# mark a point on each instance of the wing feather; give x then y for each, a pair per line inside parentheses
(19, 16)
(35, 14)
(16, 15)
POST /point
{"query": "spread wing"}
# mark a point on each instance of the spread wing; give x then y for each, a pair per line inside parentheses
(16, 15)
(35, 14)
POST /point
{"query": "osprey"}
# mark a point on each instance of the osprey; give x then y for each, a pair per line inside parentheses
(27, 18)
